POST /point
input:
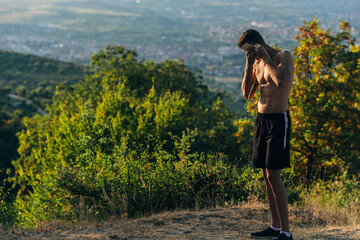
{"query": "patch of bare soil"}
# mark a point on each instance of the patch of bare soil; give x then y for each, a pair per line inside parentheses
(235, 222)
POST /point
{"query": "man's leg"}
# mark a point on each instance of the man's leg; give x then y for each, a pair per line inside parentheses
(275, 220)
(280, 197)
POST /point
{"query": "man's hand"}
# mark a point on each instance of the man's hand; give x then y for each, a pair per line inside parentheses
(261, 52)
(250, 56)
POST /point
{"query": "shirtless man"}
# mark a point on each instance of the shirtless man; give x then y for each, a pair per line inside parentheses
(272, 70)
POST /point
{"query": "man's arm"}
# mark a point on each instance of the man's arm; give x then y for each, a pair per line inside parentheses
(282, 72)
(249, 83)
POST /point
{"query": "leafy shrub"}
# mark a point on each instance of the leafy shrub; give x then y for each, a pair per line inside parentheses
(7, 209)
(134, 182)
(107, 148)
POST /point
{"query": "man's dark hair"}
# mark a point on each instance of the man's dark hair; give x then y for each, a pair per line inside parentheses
(250, 36)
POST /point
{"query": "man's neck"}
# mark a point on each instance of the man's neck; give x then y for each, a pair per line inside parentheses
(271, 51)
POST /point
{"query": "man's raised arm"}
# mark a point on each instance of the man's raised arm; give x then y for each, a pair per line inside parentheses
(249, 83)
(283, 71)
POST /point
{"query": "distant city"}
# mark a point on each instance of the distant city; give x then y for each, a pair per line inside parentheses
(203, 33)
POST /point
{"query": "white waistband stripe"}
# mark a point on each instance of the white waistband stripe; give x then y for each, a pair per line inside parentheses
(286, 128)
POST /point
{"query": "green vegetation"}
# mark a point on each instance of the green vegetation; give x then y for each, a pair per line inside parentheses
(34, 72)
(8, 216)
(325, 102)
(132, 139)
(10, 124)
(138, 137)
(33, 78)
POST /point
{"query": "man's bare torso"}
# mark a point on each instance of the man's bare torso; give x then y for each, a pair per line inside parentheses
(272, 98)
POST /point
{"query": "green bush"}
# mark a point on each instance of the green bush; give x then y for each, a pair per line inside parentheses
(107, 148)
(126, 183)
(3, 207)
(7, 209)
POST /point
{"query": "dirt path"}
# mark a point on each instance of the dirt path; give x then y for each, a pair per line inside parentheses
(221, 223)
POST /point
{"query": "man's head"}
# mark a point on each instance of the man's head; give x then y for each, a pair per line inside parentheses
(250, 36)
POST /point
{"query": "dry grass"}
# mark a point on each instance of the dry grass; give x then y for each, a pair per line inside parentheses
(231, 222)
(335, 206)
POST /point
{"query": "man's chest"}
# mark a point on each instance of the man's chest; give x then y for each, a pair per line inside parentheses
(261, 72)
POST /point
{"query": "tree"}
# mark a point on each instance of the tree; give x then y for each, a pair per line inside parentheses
(324, 101)
(111, 134)
(116, 63)
(21, 90)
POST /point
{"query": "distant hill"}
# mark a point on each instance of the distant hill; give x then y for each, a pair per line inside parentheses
(33, 71)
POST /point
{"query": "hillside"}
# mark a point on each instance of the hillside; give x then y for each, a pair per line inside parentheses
(34, 71)
(236, 222)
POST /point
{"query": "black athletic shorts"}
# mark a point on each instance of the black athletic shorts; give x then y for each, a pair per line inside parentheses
(271, 146)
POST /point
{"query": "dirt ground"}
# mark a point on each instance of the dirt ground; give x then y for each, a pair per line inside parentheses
(236, 222)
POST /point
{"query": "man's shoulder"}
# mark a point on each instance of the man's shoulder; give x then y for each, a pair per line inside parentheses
(285, 56)
(285, 53)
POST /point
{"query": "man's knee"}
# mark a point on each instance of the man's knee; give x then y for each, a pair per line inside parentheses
(273, 176)
(266, 176)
